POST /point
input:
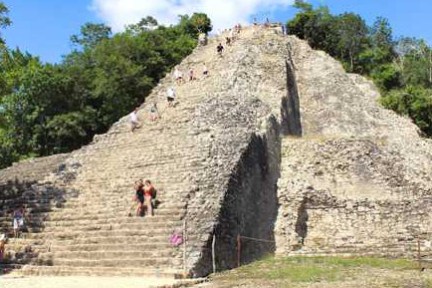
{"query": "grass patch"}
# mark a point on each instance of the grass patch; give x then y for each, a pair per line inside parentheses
(313, 269)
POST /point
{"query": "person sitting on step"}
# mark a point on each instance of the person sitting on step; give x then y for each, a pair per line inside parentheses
(3, 241)
(149, 193)
(18, 220)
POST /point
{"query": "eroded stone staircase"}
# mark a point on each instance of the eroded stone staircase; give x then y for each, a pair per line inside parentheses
(87, 230)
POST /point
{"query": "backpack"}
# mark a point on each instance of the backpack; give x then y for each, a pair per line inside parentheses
(176, 239)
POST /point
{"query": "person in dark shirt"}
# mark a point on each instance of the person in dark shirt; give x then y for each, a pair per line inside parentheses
(139, 197)
(219, 49)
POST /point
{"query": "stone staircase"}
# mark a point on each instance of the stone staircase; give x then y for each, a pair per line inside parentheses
(89, 231)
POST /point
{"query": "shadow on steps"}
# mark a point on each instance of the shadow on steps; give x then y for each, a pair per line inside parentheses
(38, 200)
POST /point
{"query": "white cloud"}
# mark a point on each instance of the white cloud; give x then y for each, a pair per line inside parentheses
(224, 13)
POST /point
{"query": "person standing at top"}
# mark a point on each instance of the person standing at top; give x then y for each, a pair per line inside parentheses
(149, 192)
(220, 49)
(171, 96)
(133, 119)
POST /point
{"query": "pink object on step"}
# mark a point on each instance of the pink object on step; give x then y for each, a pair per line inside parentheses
(176, 239)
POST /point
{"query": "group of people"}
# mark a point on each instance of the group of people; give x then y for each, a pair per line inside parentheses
(145, 197)
(134, 120)
(191, 76)
(233, 34)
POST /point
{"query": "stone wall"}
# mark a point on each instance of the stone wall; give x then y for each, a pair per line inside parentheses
(243, 130)
(249, 205)
(358, 180)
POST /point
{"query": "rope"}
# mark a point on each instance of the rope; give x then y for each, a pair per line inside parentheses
(257, 239)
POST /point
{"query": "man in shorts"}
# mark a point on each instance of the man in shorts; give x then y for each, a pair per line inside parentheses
(171, 96)
(133, 119)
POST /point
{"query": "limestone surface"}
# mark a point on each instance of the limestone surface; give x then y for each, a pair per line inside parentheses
(358, 180)
(278, 148)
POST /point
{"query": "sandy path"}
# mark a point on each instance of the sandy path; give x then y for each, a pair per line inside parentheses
(83, 282)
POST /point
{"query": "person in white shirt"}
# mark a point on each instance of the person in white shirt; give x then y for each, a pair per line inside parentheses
(133, 119)
(205, 70)
(178, 75)
(171, 96)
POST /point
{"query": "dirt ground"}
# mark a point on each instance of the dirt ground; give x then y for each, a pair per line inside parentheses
(84, 282)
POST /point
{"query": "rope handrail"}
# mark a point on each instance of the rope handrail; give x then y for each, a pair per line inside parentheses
(257, 239)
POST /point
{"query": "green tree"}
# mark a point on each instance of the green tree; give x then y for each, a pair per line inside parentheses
(91, 34)
(352, 32)
(147, 23)
(4, 19)
(197, 23)
(415, 102)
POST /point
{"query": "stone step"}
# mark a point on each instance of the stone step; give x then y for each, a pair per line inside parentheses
(70, 222)
(121, 202)
(103, 240)
(114, 226)
(32, 270)
(120, 252)
(111, 212)
(144, 246)
(115, 262)
(109, 218)
(154, 232)
(155, 221)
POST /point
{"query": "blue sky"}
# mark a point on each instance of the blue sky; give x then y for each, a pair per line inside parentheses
(44, 27)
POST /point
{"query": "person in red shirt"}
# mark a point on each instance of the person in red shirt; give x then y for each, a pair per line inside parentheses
(149, 192)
